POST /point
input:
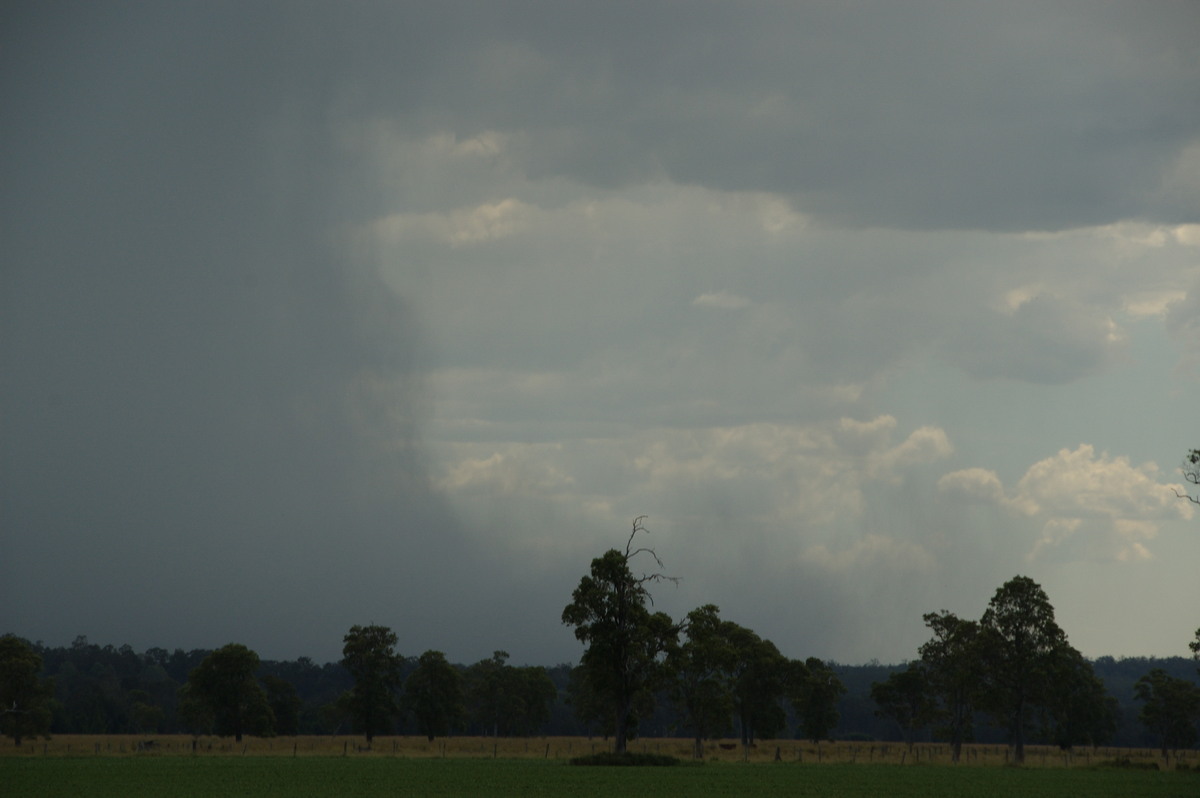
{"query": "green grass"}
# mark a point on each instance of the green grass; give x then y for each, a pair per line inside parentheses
(186, 777)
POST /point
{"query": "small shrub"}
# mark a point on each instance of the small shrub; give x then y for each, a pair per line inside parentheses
(1125, 763)
(627, 759)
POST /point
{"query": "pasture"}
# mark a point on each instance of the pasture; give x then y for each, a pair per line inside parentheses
(310, 766)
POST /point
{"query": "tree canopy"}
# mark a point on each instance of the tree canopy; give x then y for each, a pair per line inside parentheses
(626, 642)
(1171, 707)
(224, 690)
(508, 701)
(369, 654)
(953, 671)
(24, 695)
(906, 698)
(1020, 644)
(433, 692)
(815, 695)
(702, 675)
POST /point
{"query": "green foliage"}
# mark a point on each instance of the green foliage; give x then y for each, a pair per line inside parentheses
(1020, 647)
(1079, 711)
(24, 695)
(433, 692)
(147, 717)
(815, 697)
(1015, 663)
(285, 704)
(702, 675)
(591, 708)
(538, 694)
(369, 654)
(195, 714)
(906, 697)
(760, 681)
(625, 640)
(222, 690)
(507, 701)
(1171, 709)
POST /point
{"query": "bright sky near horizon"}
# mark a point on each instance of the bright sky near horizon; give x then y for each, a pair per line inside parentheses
(322, 314)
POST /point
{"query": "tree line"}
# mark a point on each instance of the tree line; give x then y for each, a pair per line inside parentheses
(1011, 675)
(714, 672)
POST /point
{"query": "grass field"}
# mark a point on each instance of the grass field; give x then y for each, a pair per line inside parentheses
(562, 748)
(352, 777)
(158, 765)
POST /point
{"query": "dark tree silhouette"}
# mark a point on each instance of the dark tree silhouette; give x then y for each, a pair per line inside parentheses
(434, 694)
(24, 695)
(906, 698)
(702, 676)
(224, 685)
(953, 666)
(1020, 646)
(1170, 709)
(625, 640)
(369, 654)
(815, 699)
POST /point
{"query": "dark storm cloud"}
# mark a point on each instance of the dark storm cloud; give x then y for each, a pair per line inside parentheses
(934, 115)
(209, 415)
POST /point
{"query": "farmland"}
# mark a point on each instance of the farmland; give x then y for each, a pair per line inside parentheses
(312, 766)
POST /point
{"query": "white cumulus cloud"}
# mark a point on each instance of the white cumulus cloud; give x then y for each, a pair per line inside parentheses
(1097, 506)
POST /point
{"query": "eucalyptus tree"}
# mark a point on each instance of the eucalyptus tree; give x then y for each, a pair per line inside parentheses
(953, 671)
(224, 685)
(815, 696)
(491, 699)
(1079, 709)
(369, 654)
(1021, 647)
(434, 694)
(505, 700)
(24, 695)
(626, 642)
(905, 697)
(761, 676)
(1171, 707)
(702, 675)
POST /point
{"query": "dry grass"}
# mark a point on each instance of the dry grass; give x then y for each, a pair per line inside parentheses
(567, 747)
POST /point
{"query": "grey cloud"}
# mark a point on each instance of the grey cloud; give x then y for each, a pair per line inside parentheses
(1044, 340)
(211, 382)
(939, 115)
(210, 415)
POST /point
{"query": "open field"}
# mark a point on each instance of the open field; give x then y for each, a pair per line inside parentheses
(352, 777)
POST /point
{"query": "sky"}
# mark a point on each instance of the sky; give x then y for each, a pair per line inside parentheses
(322, 314)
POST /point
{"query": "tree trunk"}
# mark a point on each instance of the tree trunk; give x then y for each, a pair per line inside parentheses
(1018, 737)
(620, 733)
(956, 741)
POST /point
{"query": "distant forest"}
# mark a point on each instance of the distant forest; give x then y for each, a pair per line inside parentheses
(108, 689)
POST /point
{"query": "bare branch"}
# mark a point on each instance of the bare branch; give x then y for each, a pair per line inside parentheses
(639, 525)
(1192, 499)
(1191, 473)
